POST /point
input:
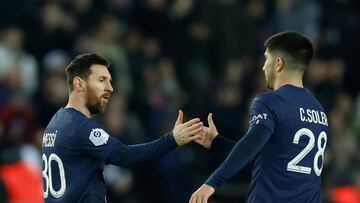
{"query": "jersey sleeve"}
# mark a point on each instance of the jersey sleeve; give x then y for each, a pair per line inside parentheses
(94, 140)
(127, 155)
(222, 146)
(261, 113)
(240, 155)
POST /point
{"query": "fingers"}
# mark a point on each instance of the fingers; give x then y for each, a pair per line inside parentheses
(196, 126)
(197, 198)
(192, 199)
(196, 132)
(180, 118)
(194, 137)
(213, 131)
(202, 194)
(191, 122)
(199, 141)
(210, 120)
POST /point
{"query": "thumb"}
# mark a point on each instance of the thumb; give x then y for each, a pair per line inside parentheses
(210, 121)
(180, 118)
(212, 128)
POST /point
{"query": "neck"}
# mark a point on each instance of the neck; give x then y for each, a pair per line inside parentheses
(294, 80)
(77, 102)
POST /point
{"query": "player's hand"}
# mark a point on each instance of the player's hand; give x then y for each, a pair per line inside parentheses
(202, 194)
(208, 134)
(187, 132)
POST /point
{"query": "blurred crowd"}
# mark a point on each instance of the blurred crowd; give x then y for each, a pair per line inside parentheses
(200, 56)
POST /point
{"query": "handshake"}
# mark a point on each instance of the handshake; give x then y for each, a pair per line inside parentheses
(194, 130)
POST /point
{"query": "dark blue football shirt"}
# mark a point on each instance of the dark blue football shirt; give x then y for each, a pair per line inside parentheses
(74, 151)
(287, 152)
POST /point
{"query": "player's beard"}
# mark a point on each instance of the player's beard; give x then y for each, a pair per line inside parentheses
(270, 77)
(93, 102)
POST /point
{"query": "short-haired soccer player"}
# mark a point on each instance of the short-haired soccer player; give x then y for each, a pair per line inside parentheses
(75, 147)
(287, 136)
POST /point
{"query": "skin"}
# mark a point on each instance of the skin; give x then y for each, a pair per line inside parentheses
(276, 75)
(91, 95)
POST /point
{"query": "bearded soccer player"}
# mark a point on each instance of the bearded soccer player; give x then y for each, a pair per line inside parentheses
(287, 136)
(75, 147)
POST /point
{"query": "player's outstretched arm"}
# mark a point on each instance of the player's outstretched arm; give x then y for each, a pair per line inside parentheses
(126, 155)
(186, 132)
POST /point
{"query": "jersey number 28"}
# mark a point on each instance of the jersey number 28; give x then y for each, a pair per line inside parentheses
(48, 176)
(292, 165)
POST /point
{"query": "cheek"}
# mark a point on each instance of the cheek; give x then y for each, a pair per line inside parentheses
(93, 92)
(96, 89)
(268, 67)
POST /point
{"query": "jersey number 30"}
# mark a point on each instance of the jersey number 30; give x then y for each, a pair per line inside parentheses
(48, 183)
(292, 165)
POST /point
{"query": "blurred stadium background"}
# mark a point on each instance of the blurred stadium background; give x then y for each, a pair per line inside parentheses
(200, 56)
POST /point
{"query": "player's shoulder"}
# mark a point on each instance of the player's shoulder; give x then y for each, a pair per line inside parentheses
(87, 128)
(266, 98)
(83, 122)
(265, 95)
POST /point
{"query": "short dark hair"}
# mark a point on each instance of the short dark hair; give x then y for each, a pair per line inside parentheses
(80, 66)
(293, 44)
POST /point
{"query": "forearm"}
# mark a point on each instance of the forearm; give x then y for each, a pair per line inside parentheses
(125, 155)
(221, 146)
(241, 154)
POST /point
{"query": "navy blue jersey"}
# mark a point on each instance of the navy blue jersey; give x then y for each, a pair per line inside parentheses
(289, 166)
(75, 149)
(286, 141)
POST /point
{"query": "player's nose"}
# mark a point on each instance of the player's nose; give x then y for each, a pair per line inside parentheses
(109, 87)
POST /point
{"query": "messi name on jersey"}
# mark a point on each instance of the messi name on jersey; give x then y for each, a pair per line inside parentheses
(49, 139)
(313, 116)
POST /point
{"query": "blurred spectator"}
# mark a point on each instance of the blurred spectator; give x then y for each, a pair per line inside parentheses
(22, 181)
(54, 92)
(108, 45)
(18, 119)
(18, 69)
(232, 29)
(345, 194)
(300, 15)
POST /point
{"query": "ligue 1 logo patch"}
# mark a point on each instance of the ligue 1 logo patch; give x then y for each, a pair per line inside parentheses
(98, 137)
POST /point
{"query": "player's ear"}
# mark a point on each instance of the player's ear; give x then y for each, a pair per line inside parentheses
(78, 84)
(279, 64)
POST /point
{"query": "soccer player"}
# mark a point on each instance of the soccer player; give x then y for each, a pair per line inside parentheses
(287, 135)
(75, 147)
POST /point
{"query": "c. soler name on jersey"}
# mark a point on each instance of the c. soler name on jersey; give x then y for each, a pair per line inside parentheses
(313, 116)
(49, 139)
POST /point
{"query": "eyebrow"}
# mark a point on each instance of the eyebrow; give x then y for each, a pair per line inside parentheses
(105, 77)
